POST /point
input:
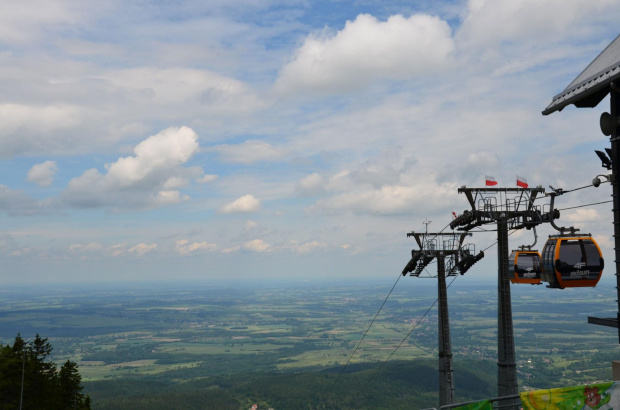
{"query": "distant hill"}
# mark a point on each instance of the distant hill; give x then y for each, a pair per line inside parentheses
(399, 385)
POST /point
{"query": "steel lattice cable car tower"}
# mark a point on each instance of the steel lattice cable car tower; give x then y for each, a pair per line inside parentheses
(514, 213)
(431, 248)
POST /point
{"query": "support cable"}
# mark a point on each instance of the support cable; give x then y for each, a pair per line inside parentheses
(495, 243)
(401, 343)
(410, 332)
(581, 187)
(581, 206)
(435, 302)
(415, 326)
(373, 321)
(571, 190)
(366, 332)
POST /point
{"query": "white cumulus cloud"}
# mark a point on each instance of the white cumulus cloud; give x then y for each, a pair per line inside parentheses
(245, 204)
(388, 184)
(184, 247)
(257, 245)
(147, 179)
(43, 174)
(206, 178)
(86, 247)
(421, 193)
(118, 249)
(142, 248)
(367, 49)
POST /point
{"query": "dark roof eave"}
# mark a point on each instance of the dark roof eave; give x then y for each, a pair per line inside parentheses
(590, 99)
(585, 90)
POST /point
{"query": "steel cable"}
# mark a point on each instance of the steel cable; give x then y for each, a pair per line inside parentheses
(372, 322)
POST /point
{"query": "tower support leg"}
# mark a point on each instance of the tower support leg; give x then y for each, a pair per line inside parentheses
(446, 373)
(507, 369)
(615, 172)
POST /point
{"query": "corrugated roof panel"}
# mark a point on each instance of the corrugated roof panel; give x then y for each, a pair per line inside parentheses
(608, 58)
(593, 80)
(576, 94)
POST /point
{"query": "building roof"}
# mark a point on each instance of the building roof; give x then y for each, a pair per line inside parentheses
(593, 84)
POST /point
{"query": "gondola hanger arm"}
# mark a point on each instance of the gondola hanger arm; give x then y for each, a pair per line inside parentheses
(555, 193)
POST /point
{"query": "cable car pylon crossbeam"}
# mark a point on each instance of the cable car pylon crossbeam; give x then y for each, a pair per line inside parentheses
(519, 213)
(429, 249)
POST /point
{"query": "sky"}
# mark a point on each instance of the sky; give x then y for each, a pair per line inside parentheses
(292, 139)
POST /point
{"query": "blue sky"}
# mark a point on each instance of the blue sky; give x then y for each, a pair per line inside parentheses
(262, 139)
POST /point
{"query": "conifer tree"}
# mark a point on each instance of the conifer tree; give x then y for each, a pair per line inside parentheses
(26, 367)
(70, 383)
(41, 385)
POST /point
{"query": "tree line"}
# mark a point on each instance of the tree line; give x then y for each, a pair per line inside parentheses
(30, 380)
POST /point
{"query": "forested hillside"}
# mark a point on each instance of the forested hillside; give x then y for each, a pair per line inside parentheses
(28, 376)
(399, 385)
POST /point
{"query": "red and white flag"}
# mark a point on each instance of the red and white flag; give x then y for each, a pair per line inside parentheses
(522, 182)
(490, 181)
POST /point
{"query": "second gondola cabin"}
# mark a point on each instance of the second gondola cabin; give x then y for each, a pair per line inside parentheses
(571, 262)
(525, 267)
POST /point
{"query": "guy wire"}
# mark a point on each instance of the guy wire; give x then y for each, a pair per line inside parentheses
(415, 326)
(401, 343)
(373, 321)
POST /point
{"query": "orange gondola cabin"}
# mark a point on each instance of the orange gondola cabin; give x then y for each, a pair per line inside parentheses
(525, 267)
(571, 262)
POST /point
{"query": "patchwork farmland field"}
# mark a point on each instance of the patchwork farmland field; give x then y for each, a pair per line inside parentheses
(188, 332)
